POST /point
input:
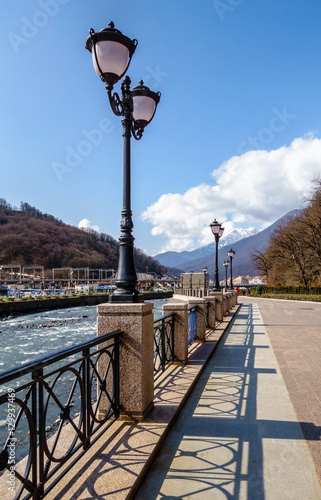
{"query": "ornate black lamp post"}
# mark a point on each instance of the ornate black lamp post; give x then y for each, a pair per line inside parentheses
(226, 263)
(205, 269)
(231, 255)
(112, 52)
(217, 231)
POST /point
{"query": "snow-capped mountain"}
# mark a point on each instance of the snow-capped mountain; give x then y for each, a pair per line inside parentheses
(236, 235)
(243, 241)
(175, 259)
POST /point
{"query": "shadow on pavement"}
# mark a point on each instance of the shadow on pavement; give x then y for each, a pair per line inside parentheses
(215, 449)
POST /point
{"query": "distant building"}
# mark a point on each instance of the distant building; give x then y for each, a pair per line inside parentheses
(194, 281)
(257, 280)
(248, 280)
(241, 280)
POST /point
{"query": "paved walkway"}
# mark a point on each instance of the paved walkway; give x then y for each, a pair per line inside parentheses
(294, 329)
(238, 436)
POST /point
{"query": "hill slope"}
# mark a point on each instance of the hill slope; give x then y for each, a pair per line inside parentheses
(29, 237)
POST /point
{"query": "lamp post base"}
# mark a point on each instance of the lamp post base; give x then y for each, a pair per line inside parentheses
(127, 296)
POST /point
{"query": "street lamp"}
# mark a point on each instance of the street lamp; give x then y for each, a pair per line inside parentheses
(205, 269)
(217, 231)
(226, 263)
(112, 52)
(231, 255)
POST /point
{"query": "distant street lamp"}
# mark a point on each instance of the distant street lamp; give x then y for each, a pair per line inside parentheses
(191, 280)
(226, 263)
(205, 269)
(231, 255)
(217, 231)
(112, 52)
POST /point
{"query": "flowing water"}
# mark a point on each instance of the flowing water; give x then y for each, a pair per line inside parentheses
(25, 338)
(33, 336)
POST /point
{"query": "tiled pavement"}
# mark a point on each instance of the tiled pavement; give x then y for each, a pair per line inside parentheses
(238, 436)
(294, 329)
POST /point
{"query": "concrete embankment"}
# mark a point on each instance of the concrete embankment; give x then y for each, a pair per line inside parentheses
(32, 306)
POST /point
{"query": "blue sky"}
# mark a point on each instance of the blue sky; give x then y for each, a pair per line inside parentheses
(236, 136)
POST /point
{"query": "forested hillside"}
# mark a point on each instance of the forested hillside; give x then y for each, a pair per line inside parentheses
(30, 237)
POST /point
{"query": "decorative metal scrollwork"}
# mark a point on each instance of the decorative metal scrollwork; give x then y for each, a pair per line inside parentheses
(114, 101)
(126, 223)
(58, 412)
(137, 131)
(4, 457)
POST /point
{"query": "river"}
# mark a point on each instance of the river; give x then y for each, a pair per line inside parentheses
(30, 337)
(25, 338)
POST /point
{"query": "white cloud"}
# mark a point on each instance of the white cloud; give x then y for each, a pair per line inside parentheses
(86, 224)
(255, 188)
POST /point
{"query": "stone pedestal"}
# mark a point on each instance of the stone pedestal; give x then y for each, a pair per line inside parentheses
(235, 295)
(180, 329)
(136, 355)
(228, 301)
(211, 311)
(219, 314)
(224, 305)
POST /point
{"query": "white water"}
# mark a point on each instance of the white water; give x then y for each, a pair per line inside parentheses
(26, 338)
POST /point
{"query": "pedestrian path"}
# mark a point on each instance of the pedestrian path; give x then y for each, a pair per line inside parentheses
(238, 436)
(294, 329)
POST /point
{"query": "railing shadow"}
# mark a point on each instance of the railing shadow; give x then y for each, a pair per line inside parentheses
(216, 445)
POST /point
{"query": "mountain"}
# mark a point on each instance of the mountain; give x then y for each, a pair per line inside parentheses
(177, 259)
(243, 264)
(236, 235)
(30, 237)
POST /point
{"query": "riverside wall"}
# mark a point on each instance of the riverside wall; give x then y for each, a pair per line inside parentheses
(33, 306)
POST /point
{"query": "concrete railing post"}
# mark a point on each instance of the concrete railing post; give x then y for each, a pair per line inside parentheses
(136, 355)
(228, 301)
(219, 314)
(224, 305)
(180, 329)
(235, 297)
(211, 311)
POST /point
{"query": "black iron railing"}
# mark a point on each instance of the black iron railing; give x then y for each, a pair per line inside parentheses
(52, 410)
(163, 342)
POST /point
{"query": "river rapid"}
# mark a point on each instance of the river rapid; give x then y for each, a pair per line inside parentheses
(33, 336)
(28, 337)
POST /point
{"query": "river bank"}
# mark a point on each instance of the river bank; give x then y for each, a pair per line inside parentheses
(32, 306)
